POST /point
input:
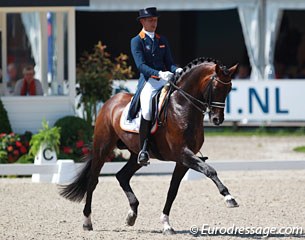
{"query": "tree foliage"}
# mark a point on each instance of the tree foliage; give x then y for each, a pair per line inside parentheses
(95, 73)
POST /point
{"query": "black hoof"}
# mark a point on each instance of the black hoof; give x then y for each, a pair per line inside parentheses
(231, 203)
(169, 231)
(87, 227)
(131, 219)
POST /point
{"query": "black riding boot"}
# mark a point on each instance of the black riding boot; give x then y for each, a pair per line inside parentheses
(145, 128)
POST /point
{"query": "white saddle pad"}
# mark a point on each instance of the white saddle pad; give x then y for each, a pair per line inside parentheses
(134, 125)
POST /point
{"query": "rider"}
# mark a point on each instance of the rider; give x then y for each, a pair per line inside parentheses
(153, 58)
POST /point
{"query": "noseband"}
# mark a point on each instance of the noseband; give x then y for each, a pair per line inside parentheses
(204, 107)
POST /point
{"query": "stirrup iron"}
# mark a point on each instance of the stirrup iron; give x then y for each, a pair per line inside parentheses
(143, 162)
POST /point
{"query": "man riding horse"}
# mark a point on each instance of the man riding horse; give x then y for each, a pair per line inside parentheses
(152, 56)
(201, 89)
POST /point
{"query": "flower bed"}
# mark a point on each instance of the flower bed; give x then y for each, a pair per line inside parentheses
(13, 146)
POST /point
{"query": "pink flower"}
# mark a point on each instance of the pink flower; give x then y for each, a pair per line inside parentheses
(10, 148)
(67, 150)
(79, 143)
(23, 150)
(85, 150)
(16, 152)
(2, 135)
(10, 158)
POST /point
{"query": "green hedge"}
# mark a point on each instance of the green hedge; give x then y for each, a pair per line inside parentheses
(76, 136)
(5, 126)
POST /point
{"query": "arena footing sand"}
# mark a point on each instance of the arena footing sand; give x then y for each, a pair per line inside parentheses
(267, 199)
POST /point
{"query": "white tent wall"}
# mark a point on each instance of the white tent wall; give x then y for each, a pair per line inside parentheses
(260, 21)
(274, 13)
(249, 16)
(31, 22)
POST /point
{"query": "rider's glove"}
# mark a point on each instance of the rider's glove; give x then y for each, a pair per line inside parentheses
(179, 70)
(166, 75)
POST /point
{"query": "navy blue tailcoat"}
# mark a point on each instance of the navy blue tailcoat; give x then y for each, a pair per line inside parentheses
(150, 57)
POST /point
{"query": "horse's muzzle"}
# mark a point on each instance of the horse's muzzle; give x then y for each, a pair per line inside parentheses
(216, 119)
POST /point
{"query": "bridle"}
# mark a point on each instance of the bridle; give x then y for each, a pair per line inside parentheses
(204, 107)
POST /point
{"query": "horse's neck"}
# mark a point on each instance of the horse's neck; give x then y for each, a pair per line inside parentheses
(183, 113)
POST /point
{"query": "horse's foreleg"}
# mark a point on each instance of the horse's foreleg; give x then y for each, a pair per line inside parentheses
(177, 176)
(193, 162)
(124, 176)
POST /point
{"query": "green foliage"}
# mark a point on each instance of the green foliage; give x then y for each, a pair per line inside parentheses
(13, 146)
(254, 131)
(94, 74)
(5, 126)
(76, 136)
(24, 159)
(48, 136)
(299, 149)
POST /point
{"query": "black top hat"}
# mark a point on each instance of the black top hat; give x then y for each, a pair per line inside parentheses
(148, 12)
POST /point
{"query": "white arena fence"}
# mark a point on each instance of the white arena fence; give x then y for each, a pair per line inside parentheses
(63, 171)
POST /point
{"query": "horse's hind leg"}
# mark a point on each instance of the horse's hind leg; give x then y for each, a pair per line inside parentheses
(124, 176)
(193, 162)
(101, 152)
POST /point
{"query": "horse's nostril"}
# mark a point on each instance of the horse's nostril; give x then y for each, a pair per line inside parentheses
(216, 120)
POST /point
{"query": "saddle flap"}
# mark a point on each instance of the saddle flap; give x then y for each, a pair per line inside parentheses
(133, 125)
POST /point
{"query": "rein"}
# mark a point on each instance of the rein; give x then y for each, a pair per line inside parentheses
(194, 101)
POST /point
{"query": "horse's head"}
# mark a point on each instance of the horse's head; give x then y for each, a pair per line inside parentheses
(217, 90)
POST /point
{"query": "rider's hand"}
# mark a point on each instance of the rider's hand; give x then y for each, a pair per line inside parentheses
(179, 70)
(166, 75)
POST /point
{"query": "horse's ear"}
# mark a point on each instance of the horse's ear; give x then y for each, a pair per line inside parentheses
(218, 70)
(233, 69)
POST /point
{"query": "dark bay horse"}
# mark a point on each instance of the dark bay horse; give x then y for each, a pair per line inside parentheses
(201, 87)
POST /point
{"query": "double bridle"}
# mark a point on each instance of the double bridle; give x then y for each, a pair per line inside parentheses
(204, 107)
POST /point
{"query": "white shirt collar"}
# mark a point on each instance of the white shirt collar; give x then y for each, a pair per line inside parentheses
(150, 34)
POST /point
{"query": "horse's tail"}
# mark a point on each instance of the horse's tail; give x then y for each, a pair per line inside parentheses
(76, 190)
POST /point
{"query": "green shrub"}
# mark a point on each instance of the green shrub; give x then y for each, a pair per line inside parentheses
(5, 126)
(76, 135)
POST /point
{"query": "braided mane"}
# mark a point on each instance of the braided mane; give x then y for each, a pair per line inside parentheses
(196, 62)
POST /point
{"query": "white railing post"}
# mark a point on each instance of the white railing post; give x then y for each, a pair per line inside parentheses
(66, 172)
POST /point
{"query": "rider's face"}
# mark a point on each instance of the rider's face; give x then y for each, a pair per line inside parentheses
(149, 24)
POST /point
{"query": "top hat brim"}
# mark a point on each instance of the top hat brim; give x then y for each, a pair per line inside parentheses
(147, 16)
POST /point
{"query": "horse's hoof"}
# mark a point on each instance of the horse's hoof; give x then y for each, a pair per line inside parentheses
(131, 219)
(169, 231)
(87, 227)
(231, 203)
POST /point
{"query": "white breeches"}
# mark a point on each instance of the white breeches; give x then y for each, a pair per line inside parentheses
(150, 89)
